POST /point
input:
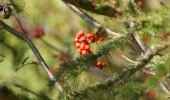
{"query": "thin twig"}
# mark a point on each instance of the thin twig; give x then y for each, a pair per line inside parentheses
(90, 5)
(34, 49)
(91, 20)
(26, 89)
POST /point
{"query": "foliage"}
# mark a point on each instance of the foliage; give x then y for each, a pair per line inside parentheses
(128, 74)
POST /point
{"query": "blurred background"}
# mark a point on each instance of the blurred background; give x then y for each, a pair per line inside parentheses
(52, 26)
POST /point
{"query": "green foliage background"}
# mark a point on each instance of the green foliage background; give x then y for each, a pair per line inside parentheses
(61, 25)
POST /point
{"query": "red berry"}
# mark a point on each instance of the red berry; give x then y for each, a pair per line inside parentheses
(100, 67)
(78, 45)
(92, 34)
(87, 47)
(79, 51)
(82, 39)
(151, 94)
(88, 35)
(92, 40)
(101, 38)
(84, 52)
(80, 34)
(82, 46)
(76, 40)
(100, 64)
(38, 32)
(90, 52)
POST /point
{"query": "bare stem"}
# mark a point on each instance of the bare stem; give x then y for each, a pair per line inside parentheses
(91, 20)
(93, 6)
(33, 48)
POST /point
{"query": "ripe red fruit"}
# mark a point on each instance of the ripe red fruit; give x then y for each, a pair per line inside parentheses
(151, 94)
(92, 34)
(90, 52)
(87, 47)
(100, 64)
(84, 52)
(82, 46)
(101, 38)
(92, 40)
(100, 67)
(79, 50)
(38, 32)
(80, 34)
(78, 45)
(76, 40)
(88, 35)
(82, 39)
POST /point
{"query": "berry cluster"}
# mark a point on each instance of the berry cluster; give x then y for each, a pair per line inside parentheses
(83, 46)
(82, 43)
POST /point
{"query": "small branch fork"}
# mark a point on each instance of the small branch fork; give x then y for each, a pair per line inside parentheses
(113, 82)
(41, 61)
(91, 20)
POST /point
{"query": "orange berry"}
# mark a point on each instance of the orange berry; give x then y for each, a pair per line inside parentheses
(80, 34)
(78, 45)
(87, 47)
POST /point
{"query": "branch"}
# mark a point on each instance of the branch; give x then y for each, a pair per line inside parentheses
(91, 20)
(26, 39)
(67, 54)
(90, 5)
(26, 89)
(125, 74)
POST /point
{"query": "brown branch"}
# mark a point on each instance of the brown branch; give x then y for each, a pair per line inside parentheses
(137, 43)
(93, 6)
(91, 21)
(26, 89)
(114, 82)
(26, 39)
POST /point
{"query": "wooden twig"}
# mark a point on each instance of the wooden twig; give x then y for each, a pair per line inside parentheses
(91, 21)
(137, 43)
(113, 82)
(26, 89)
(26, 39)
(90, 5)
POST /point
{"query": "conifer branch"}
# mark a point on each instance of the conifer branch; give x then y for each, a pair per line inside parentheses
(125, 74)
(93, 6)
(41, 61)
